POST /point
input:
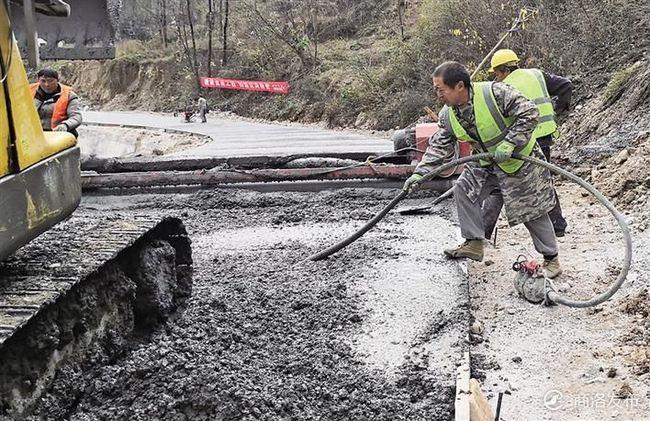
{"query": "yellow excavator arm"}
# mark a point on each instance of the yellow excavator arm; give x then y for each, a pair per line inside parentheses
(32, 145)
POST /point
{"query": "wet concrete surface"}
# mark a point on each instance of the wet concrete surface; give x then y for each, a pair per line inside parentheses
(373, 332)
(237, 137)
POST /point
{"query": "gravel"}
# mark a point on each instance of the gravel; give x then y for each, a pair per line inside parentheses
(264, 337)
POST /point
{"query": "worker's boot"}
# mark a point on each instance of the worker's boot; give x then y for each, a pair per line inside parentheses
(552, 267)
(472, 249)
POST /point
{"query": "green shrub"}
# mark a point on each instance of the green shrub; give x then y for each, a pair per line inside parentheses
(616, 85)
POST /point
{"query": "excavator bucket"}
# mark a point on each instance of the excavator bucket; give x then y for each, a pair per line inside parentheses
(70, 30)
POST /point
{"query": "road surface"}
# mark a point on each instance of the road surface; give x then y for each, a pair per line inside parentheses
(236, 138)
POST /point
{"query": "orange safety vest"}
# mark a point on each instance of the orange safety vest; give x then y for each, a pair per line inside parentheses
(60, 112)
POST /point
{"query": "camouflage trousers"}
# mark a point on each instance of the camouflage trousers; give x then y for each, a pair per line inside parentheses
(493, 204)
(472, 226)
(527, 194)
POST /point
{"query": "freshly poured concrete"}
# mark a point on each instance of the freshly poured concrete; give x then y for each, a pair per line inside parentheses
(373, 332)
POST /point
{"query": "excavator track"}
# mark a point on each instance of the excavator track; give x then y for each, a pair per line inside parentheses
(84, 289)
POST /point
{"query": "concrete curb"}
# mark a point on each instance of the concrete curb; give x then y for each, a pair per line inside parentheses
(461, 403)
(463, 373)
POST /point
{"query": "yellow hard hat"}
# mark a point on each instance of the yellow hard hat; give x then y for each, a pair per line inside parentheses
(503, 56)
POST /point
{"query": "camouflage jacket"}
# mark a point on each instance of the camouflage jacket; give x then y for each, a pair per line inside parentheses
(511, 103)
(528, 193)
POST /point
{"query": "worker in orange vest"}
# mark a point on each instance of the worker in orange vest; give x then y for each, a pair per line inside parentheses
(57, 105)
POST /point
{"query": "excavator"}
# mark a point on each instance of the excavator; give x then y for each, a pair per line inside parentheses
(71, 285)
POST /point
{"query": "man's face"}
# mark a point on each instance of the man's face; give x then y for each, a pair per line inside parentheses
(450, 95)
(499, 75)
(48, 84)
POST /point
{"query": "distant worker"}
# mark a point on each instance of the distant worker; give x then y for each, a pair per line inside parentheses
(188, 114)
(496, 118)
(551, 94)
(57, 105)
(203, 109)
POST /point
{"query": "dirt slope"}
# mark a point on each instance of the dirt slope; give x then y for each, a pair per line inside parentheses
(128, 84)
(606, 140)
(557, 363)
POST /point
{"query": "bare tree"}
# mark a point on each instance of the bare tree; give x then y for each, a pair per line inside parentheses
(401, 7)
(190, 20)
(162, 5)
(210, 26)
(286, 25)
(185, 20)
(224, 59)
(314, 21)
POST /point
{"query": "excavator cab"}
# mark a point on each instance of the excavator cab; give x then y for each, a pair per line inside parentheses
(40, 181)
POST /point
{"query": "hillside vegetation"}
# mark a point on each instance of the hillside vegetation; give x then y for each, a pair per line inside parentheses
(367, 64)
(352, 62)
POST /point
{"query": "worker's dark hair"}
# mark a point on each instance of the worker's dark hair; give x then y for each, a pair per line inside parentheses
(507, 68)
(48, 72)
(451, 73)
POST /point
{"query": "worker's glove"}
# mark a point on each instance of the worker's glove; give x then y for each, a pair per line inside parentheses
(411, 182)
(554, 100)
(503, 152)
(61, 128)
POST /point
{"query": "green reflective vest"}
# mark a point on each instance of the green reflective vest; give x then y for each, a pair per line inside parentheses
(491, 125)
(530, 82)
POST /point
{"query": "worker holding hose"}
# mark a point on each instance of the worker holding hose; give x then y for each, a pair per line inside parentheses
(495, 118)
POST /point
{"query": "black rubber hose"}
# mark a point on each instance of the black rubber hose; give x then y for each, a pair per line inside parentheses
(371, 223)
(550, 293)
(627, 238)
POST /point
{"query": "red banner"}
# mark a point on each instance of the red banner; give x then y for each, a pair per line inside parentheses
(245, 85)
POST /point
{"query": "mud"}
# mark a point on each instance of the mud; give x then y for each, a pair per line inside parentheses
(374, 332)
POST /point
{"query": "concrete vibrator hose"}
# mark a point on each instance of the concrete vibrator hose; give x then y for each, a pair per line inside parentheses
(550, 294)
